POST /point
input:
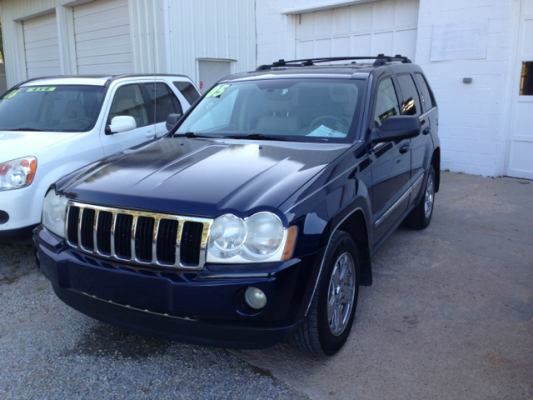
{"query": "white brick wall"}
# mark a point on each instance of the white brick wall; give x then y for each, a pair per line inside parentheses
(473, 124)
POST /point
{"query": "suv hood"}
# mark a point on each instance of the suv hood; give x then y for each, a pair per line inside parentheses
(202, 177)
(15, 144)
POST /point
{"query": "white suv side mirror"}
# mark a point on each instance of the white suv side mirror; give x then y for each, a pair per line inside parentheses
(122, 123)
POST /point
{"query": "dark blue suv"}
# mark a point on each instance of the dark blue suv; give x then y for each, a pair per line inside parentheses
(255, 219)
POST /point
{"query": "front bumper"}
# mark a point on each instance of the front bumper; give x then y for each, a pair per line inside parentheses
(21, 208)
(206, 307)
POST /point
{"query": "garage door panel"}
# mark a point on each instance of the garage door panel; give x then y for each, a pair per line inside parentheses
(382, 43)
(103, 59)
(383, 16)
(304, 49)
(341, 45)
(121, 44)
(361, 17)
(102, 36)
(361, 45)
(406, 14)
(100, 7)
(95, 22)
(41, 46)
(48, 43)
(109, 68)
(322, 48)
(405, 42)
(387, 26)
(342, 23)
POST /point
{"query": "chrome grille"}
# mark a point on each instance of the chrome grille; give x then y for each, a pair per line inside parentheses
(138, 237)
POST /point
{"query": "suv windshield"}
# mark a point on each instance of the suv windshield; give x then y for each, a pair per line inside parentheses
(284, 109)
(54, 108)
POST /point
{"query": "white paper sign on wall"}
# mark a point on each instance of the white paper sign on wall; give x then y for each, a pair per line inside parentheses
(459, 42)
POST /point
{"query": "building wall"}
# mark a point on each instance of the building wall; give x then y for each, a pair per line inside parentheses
(474, 39)
(456, 39)
(166, 35)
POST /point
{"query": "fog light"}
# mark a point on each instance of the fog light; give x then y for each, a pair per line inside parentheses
(255, 298)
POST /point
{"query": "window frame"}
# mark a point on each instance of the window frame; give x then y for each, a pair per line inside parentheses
(113, 97)
(151, 107)
(419, 110)
(375, 101)
(182, 91)
(431, 99)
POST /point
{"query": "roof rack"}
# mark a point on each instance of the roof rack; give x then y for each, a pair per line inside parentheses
(379, 60)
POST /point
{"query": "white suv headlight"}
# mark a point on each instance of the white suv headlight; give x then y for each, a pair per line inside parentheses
(54, 210)
(19, 173)
(258, 238)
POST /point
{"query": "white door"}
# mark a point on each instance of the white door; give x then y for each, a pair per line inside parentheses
(149, 104)
(41, 46)
(102, 37)
(520, 162)
(367, 29)
(210, 71)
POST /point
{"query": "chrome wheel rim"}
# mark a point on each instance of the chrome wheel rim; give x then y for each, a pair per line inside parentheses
(429, 197)
(341, 293)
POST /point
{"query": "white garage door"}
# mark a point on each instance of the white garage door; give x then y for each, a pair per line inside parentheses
(102, 37)
(41, 47)
(387, 26)
(521, 143)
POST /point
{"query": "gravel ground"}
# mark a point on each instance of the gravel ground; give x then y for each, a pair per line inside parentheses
(450, 316)
(49, 351)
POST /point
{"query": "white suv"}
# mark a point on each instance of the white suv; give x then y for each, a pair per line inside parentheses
(50, 127)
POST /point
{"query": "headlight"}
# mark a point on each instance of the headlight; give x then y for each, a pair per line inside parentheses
(16, 174)
(54, 210)
(258, 238)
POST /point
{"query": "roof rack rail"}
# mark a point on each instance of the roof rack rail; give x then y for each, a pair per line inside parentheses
(380, 59)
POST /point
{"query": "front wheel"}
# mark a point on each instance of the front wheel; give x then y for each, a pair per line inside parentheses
(329, 320)
(421, 215)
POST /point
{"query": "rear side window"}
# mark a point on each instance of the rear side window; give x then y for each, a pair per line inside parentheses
(162, 102)
(188, 91)
(426, 97)
(386, 102)
(410, 101)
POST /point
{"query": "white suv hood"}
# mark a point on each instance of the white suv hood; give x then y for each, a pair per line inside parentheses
(14, 144)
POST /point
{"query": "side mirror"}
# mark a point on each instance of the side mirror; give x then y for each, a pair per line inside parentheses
(172, 120)
(121, 123)
(396, 128)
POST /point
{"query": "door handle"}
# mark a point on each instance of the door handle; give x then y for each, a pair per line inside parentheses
(149, 135)
(404, 148)
(426, 130)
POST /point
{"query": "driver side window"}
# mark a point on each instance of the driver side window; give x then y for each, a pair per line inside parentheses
(386, 102)
(129, 101)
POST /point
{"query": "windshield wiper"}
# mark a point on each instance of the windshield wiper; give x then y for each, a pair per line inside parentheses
(192, 135)
(257, 136)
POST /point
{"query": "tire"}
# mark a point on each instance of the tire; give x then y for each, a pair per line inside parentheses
(316, 335)
(420, 216)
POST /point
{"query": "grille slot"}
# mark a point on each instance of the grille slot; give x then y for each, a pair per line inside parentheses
(138, 237)
(86, 230)
(103, 239)
(72, 225)
(166, 241)
(191, 237)
(123, 236)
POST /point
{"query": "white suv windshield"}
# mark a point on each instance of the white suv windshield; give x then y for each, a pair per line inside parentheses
(54, 108)
(289, 109)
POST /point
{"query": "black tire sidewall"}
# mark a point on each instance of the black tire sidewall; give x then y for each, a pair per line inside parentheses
(427, 220)
(330, 343)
